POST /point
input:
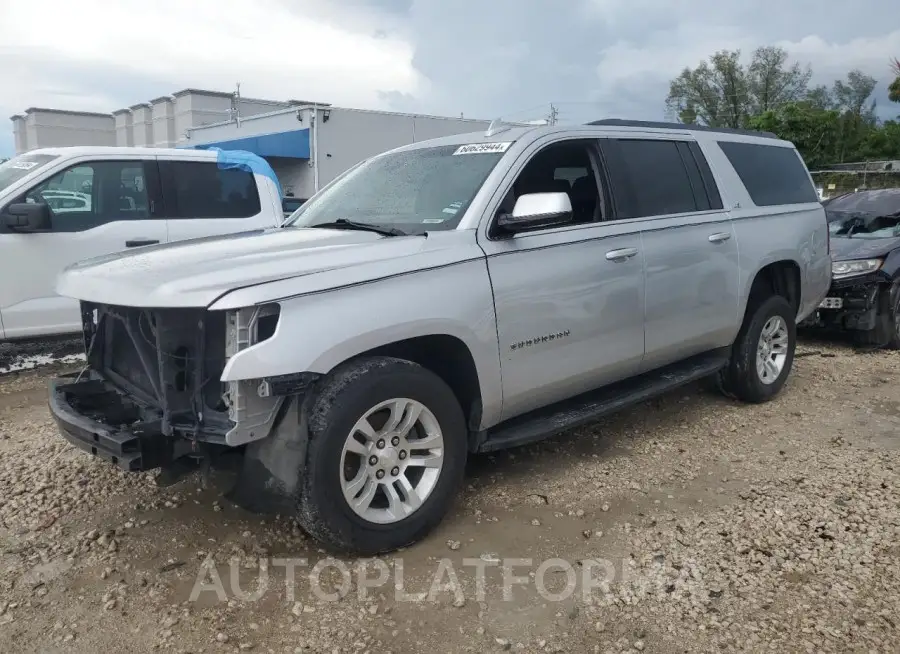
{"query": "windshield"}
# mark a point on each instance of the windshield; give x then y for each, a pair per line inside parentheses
(880, 201)
(858, 224)
(414, 191)
(16, 168)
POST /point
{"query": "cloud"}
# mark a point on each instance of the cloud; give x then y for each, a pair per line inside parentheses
(511, 58)
(135, 46)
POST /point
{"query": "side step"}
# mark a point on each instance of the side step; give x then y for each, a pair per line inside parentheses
(588, 407)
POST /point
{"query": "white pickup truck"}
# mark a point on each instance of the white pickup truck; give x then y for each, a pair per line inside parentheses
(62, 205)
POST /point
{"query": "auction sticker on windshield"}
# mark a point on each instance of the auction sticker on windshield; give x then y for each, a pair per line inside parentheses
(483, 148)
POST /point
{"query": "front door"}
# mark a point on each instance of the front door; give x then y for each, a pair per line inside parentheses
(569, 300)
(97, 208)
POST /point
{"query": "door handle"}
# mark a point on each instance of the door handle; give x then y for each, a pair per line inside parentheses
(138, 242)
(621, 254)
(719, 237)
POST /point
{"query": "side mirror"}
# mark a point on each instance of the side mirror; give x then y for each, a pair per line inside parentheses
(536, 210)
(27, 217)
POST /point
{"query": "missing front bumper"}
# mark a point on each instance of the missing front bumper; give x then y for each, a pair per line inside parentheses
(851, 305)
(93, 416)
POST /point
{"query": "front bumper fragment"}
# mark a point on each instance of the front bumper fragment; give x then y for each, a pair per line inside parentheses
(94, 417)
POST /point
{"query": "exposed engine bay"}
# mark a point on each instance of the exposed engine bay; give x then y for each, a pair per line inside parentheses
(154, 375)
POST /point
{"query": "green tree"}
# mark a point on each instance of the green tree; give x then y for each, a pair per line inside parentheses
(853, 93)
(820, 97)
(771, 82)
(882, 142)
(852, 99)
(722, 92)
(814, 130)
(894, 88)
(714, 93)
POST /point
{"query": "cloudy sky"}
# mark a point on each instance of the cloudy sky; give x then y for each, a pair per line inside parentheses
(483, 58)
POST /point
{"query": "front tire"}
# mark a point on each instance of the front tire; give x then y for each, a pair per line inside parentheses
(386, 455)
(886, 333)
(763, 353)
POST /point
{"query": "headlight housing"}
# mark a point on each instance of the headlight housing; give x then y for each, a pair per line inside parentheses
(842, 269)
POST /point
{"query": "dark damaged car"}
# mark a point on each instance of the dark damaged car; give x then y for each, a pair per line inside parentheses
(865, 248)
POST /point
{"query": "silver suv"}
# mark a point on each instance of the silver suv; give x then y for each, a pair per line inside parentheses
(458, 295)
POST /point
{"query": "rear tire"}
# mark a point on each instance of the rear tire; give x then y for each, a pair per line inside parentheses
(761, 362)
(359, 492)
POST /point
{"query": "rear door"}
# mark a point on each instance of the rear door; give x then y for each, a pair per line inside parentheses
(691, 269)
(97, 207)
(203, 199)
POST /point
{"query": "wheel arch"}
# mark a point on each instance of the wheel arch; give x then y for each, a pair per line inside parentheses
(445, 355)
(781, 277)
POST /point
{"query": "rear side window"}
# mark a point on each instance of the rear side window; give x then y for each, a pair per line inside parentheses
(772, 175)
(197, 189)
(649, 178)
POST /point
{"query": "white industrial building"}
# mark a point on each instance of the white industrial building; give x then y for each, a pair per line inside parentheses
(307, 143)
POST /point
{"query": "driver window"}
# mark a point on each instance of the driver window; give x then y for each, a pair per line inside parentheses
(562, 168)
(93, 194)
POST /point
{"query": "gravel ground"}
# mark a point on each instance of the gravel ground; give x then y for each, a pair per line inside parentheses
(690, 524)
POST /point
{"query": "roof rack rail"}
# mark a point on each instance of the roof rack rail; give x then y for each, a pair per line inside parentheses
(621, 122)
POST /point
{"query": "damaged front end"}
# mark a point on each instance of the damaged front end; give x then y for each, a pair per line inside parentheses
(853, 304)
(151, 392)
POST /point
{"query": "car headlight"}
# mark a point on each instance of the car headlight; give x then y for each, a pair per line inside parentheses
(841, 269)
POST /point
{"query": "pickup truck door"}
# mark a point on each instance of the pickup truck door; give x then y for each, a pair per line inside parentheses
(691, 267)
(203, 199)
(97, 207)
(569, 299)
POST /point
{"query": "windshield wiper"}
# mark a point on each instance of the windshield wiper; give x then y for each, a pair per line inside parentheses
(343, 223)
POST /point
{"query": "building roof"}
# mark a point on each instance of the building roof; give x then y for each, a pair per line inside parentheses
(225, 94)
(308, 103)
(32, 110)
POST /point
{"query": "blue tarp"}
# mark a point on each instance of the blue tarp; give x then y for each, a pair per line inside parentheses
(243, 160)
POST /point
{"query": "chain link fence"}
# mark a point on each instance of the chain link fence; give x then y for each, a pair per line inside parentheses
(839, 179)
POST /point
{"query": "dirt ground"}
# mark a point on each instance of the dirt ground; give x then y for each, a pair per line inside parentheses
(689, 524)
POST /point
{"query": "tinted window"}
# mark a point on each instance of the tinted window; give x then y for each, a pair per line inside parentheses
(697, 186)
(648, 178)
(197, 189)
(93, 194)
(709, 182)
(772, 175)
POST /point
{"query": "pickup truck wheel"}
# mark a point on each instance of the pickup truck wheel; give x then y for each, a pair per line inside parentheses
(386, 455)
(763, 353)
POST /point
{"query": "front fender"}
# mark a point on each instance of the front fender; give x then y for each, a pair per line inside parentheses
(318, 332)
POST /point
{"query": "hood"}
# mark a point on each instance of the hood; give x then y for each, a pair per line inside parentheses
(844, 249)
(196, 272)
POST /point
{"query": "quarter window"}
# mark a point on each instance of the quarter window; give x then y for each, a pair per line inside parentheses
(772, 175)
